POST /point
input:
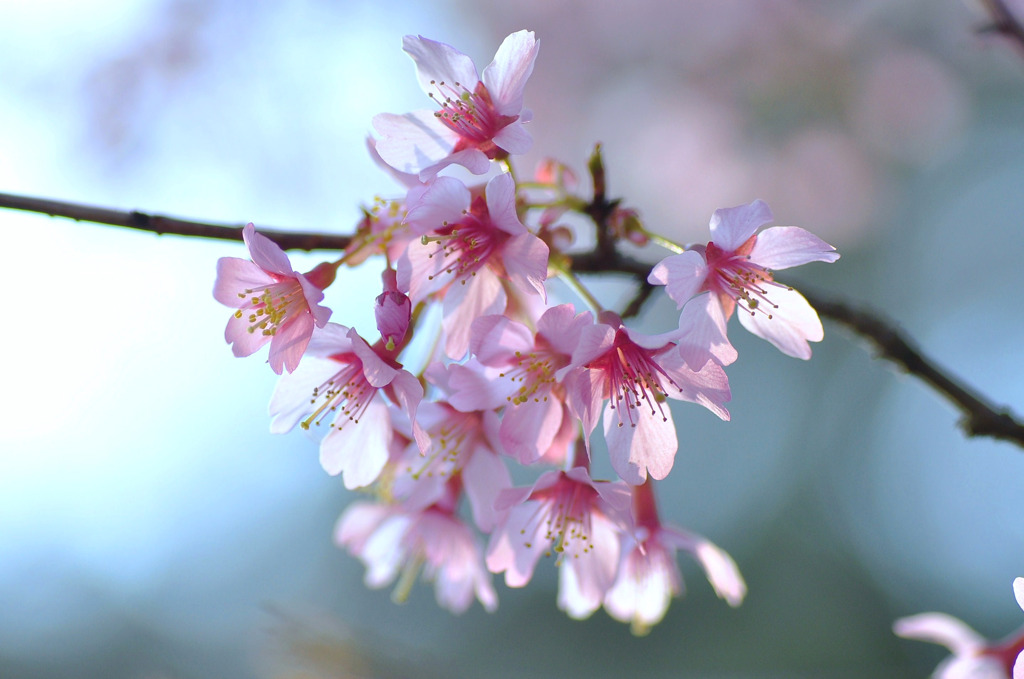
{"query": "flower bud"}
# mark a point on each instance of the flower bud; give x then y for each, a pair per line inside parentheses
(393, 311)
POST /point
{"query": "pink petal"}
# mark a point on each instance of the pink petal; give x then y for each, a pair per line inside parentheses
(721, 572)
(474, 387)
(648, 445)
(781, 247)
(441, 63)
(501, 204)
(708, 386)
(409, 392)
(289, 344)
(484, 477)
(243, 342)
(496, 339)
(443, 202)
(234, 277)
(791, 326)
(702, 333)
(378, 373)
(516, 546)
(414, 141)
(528, 429)
(265, 253)
(731, 227)
(525, 259)
(514, 138)
(1018, 591)
(682, 275)
(481, 295)
(358, 450)
(506, 76)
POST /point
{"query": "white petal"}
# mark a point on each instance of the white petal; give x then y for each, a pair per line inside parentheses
(682, 275)
(789, 327)
(441, 63)
(939, 628)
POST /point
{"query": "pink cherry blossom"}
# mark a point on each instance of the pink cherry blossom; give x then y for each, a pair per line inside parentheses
(636, 373)
(342, 380)
(649, 576)
(737, 266)
(275, 303)
(479, 118)
(567, 513)
(514, 369)
(393, 541)
(470, 246)
(461, 444)
(973, 656)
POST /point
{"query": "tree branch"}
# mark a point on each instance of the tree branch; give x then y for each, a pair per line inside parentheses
(980, 417)
(159, 224)
(1004, 22)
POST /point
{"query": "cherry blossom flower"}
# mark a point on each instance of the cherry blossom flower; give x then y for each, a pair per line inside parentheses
(737, 266)
(275, 303)
(461, 444)
(567, 513)
(393, 541)
(470, 245)
(649, 576)
(515, 369)
(479, 118)
(973, 657)
(636, 373)
(342, 378)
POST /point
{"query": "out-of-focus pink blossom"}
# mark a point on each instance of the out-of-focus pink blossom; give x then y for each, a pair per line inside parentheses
(470, 245)
(479, 118)
(573, 516)
(649, 576)
(392, 541)
(973, 656)
(275, 303)
(340, 381)
(514, 369)
(737, 266)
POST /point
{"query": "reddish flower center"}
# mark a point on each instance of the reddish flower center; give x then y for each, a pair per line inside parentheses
(737, 280)
(471, 115)
(633, 377)
(468, 245)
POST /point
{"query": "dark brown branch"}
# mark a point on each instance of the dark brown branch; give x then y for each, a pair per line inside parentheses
(980, 418)
(159, 224)
(1004, 22)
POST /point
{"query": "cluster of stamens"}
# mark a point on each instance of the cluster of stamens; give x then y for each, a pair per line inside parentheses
(634, 379)
(346, 390)
(566, 515)
(460, 112)
(748, 284)
(535, 376)
(270, 306)
(447, 444)
(464, 247)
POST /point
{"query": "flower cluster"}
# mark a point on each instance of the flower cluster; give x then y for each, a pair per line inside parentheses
(511, 376)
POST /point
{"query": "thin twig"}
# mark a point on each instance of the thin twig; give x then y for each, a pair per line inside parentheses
(980, 417)
(159, 224)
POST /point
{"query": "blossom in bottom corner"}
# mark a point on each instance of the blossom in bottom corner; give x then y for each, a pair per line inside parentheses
(649, 576)
(393, 542)
(973, 656)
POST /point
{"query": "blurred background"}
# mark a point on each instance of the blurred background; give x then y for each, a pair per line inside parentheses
(152, 528)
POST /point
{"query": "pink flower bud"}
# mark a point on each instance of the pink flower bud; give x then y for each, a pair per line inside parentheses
(393, 311)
